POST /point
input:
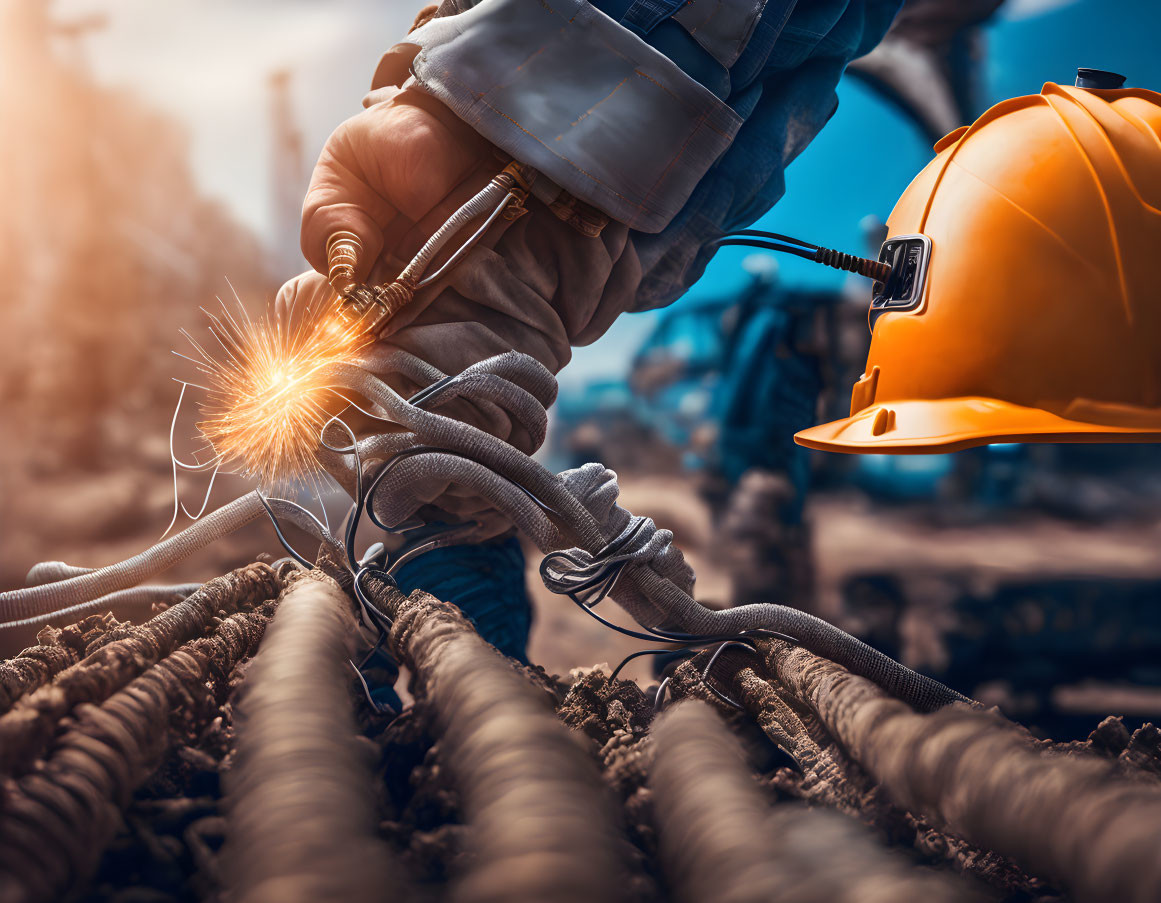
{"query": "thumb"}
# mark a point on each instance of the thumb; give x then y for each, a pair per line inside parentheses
(382, 170)
(342, 197)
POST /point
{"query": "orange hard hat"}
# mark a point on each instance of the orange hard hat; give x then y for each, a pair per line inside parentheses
(1024, 303)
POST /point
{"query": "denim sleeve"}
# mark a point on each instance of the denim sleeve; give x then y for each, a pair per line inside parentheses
(599, 111)
(783, 86)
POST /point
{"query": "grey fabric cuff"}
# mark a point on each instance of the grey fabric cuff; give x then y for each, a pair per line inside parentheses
(562, 87)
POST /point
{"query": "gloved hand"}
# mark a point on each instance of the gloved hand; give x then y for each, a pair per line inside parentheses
(392, 175)
(382, 172)
(385, 170)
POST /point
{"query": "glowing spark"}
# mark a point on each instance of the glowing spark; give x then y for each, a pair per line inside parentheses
(268, 393)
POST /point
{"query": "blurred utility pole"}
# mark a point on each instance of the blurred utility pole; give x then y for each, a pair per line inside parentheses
(288, 181)
(74, 32)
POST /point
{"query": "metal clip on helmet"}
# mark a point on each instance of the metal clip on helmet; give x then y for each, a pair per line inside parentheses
(1024, 302)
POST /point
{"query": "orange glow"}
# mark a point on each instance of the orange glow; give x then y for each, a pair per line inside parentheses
(268, 396)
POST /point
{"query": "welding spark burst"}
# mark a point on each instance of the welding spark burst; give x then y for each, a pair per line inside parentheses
(268, 395)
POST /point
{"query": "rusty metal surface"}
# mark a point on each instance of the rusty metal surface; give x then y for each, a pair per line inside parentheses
(722, 838)
(1070, 817)
(56, 649)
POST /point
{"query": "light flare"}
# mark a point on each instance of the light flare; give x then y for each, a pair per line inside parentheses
(268, 396)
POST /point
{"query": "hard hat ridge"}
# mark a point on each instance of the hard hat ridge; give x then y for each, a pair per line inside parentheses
(1039, 314)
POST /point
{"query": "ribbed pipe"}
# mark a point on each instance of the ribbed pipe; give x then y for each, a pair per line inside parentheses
(52, 572)
(542, 828)
(1072, 820)
(20, 604)
(38, 604)
(721, 839)
(300, 797)
(122, 655)
(138, 597)
(57, 821)
(657, 599)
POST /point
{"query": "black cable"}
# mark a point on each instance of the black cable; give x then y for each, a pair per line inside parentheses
(420, 398)
(681, 640)
(768, 246)
(705, 672)
(309, 565)
(634, 655)
(366, 500)
(774, 241)
(772, 236)
(635, 634)
(667, 650)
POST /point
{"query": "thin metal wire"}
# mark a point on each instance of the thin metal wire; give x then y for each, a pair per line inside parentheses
(373, 617)
(380, 707)
(440, 541)
(206, 497)
(281, 536)
(659, 698)
(467, 245)
(353, 521)
(177, 504)
(365, 500)
(591, 579)
(285, 561)
(705, 673)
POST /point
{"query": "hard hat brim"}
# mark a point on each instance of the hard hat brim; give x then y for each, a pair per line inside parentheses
(950, 424)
